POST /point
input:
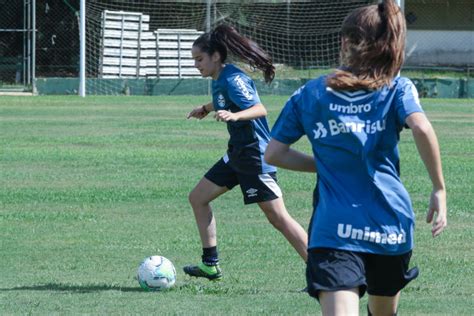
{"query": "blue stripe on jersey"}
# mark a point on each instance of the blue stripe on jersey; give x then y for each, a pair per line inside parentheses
(362, 204)
(234, 91)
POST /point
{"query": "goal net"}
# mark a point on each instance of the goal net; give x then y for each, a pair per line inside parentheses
(129, 41)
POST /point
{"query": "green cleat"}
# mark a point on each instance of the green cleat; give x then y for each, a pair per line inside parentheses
(204, 271)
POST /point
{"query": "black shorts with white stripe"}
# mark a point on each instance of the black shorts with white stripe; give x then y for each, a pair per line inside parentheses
(255, 187)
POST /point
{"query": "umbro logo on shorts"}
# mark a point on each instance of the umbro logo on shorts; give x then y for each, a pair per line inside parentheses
(251, 192)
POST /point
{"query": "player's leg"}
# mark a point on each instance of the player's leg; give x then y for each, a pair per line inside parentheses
(386, 277)
(264, 190)
(344, 302)
(199, 198)
(218, 180)
(383, 305)
(278, 216)
(336, 278)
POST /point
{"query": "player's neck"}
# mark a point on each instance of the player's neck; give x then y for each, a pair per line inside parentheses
(215, 76)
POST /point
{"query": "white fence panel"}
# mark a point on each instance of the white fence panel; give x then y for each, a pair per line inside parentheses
(129, 50)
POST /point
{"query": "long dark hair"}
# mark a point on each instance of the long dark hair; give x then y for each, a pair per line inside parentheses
(373, 48)
(226, 40)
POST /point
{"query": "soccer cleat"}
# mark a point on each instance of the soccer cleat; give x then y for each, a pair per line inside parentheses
(204, 271)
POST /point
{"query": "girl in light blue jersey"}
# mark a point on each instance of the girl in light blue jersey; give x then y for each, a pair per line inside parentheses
(236, 102)
(361, 231)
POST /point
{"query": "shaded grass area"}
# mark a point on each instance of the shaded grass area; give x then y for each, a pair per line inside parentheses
(89, 187)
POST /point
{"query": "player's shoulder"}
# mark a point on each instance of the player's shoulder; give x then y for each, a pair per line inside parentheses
(313, 88)
(305, 97)
(401, 82)
(404, 88)
(406, 91)
(232, 74)
(318, 81)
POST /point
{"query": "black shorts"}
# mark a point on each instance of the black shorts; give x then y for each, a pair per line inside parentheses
(255, 187)
(334, 269)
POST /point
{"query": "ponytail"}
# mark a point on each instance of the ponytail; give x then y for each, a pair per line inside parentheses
(226, 40)
(373, 49)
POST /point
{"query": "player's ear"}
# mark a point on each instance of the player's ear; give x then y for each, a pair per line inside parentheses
(216, 57)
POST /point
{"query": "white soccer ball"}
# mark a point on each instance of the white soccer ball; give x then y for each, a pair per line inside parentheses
(156, 273)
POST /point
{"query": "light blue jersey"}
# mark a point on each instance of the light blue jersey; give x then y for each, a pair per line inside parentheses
(361, 204)
(234, 91)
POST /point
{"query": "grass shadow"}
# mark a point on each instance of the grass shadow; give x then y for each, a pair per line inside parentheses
(61, 287)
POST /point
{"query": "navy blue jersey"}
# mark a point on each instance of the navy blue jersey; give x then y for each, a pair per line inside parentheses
(234, 91)
(361, 204)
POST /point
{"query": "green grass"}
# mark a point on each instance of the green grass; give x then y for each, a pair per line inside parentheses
(89, 187)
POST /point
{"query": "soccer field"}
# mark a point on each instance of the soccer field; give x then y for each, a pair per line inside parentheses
(89, 187)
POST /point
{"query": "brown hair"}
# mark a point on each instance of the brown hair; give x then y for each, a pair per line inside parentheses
(224, 39)
(373, 48)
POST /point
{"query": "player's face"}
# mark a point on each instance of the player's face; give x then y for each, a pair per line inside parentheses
(208, 65)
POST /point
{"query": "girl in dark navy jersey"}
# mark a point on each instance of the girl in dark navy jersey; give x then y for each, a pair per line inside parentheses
(236, 102)
(361, 232)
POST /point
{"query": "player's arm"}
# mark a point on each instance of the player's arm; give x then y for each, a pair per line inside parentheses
(253, 112)
(202, 111)
(428, 148)
(281, 155)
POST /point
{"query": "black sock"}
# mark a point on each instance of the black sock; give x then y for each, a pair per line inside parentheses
(210, 256)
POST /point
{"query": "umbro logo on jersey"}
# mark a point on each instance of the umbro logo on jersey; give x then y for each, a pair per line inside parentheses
(351, 96)
(251, 192)
(351, 108)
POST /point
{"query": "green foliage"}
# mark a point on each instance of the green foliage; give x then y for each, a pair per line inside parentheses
(287, 72)
(89, 187)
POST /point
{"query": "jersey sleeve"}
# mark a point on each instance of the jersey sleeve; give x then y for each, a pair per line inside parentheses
(407, 101)
(242, 92)
(288, 128)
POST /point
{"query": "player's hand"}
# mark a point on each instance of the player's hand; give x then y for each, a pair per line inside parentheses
(225, 116)
(438, 206)
(199, 113)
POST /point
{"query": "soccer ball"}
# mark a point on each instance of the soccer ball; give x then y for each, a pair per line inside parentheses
(156, 273)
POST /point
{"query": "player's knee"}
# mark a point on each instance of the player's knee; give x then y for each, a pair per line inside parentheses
(382, 311)
(194, 199)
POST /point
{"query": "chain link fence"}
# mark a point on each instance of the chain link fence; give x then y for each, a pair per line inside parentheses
(12, 41)
(57, 50)
(57, 40)
(440, 33)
